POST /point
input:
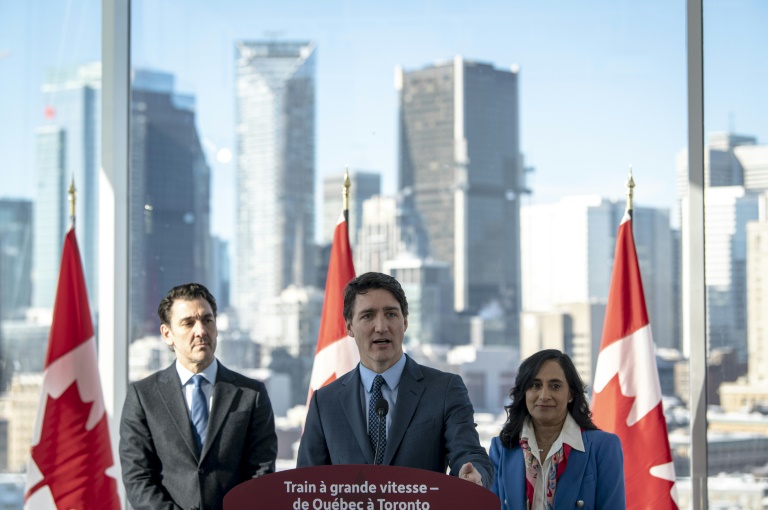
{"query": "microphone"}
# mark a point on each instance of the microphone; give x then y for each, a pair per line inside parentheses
(382, 408)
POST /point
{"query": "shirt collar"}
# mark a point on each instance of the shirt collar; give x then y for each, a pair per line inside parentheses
(391, 375)
(209, 373)
(570, 434)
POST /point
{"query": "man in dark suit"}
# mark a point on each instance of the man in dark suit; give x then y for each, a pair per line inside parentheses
(193, 431)
(430, 423)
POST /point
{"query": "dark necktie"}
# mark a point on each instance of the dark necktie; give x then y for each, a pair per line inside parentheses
(373, 421)
(199, 411)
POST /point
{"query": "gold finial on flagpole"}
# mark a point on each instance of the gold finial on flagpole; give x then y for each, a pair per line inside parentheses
(345, 193)
(630, 188)
(72, 191)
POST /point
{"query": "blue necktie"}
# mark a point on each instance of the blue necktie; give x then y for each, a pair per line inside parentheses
(373, 421)
(199, 411)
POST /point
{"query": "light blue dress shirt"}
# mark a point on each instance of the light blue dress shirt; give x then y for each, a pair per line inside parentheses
(388, 389)
(188, 386)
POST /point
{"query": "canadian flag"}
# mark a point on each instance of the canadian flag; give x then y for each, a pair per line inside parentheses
(336, 352)
(627, 394)
(71, 450)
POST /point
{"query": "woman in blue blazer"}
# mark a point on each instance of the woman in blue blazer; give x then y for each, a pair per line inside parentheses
(549, 455)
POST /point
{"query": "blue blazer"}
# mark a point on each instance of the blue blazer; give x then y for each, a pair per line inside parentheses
(432, 424)
(594, 477)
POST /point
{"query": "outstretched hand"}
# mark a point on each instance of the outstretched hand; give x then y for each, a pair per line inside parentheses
(468, 472)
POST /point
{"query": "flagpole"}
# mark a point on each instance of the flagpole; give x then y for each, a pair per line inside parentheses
(71, 450)
(336, 352)
(72, 198)
(345, 194)
(627, 398)
(630, 192)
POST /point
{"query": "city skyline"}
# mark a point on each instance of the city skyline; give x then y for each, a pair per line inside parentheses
(592, 101)
(601, 85)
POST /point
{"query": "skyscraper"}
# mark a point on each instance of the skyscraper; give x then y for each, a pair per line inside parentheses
(15, 256)
(567, 258)
(50, 215)
(727, 212)
(430, 309)
(460, 167)
(379, 237)
(221, 276)
(169, 218)
(275, 130)
(67, 146)
(757, 297)
(656, 252)
(722, 167)
(389, 229)
(735, 172)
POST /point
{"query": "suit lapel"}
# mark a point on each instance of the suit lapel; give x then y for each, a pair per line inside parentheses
(570, 481)
(224, 393)
(350, 397)
(409, 392)
(172, 395)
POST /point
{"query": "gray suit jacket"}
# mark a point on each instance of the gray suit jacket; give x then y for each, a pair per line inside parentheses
(161, 466)
(432, 425)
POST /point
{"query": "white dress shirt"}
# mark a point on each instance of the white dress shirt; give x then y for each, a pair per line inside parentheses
(570, 435)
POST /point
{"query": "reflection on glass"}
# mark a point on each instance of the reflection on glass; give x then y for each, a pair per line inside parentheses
(50, 98)
(736, 165)
(169, 198)
(489, 146)
(501, 254)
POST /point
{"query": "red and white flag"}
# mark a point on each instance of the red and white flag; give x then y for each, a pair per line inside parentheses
(336, 352)
(71, 449)
(627, 394)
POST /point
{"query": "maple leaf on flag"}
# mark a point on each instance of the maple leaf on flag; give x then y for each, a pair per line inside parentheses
(650, 483)
(627, 393)
(74, 470)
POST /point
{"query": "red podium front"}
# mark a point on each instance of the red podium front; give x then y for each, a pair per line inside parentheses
(359, 487)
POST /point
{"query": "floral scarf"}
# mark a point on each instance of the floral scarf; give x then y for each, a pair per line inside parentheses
(556, 468)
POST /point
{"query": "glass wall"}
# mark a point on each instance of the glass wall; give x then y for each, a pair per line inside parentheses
(50, 99)
(488, 148)
(736, 180)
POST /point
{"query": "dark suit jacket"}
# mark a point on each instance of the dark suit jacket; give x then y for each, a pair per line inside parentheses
(432, 425)
(161, 466)
(594, 477)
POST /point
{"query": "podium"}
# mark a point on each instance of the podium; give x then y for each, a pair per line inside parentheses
(359, 487)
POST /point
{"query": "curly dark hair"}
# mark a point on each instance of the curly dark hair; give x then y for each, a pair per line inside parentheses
(367, 281)
(185, 292)
(518, 410)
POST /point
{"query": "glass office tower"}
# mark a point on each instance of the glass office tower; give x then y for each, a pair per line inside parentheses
(275, 137)
(460, 166)
(169, 198)
(67, 147)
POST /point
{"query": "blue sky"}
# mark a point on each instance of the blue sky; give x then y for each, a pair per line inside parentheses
(602, 83)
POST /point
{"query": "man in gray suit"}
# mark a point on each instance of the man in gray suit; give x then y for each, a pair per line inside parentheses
(430, 423)
(193, 431)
